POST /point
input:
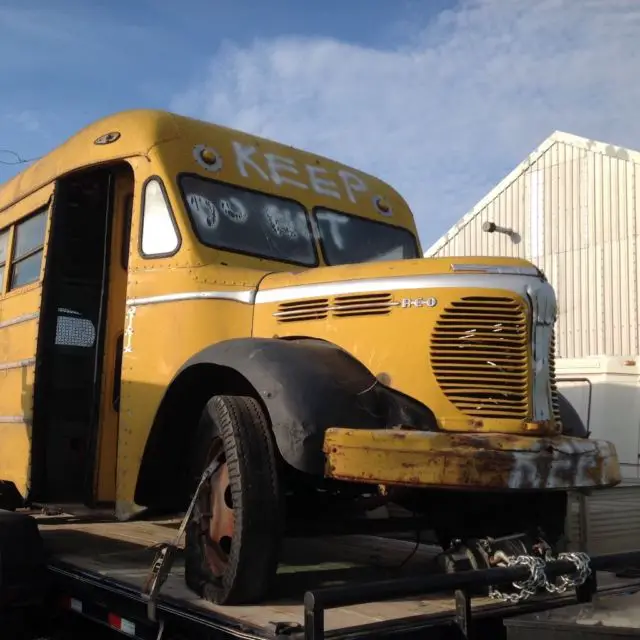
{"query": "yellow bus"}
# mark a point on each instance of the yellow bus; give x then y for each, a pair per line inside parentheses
(178, 296)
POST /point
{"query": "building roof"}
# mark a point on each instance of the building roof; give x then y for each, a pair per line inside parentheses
(578, 142)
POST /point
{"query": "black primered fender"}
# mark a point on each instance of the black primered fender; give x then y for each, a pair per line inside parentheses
(309, 385)
(572, 424)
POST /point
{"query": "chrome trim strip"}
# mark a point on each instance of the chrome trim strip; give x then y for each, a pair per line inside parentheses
(495, 268)
(506, 281)
(19, 319)
(18, 364)
(14, 420)
(246, 297)
(364, 308)
(514, 283)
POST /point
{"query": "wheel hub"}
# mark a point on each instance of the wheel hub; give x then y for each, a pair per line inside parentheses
(218, 521)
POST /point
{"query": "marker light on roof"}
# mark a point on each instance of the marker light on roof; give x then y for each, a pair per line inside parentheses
(107, 138)
(207, 157)
(382, 206)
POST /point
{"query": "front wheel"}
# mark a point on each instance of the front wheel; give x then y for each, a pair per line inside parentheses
(233, 537)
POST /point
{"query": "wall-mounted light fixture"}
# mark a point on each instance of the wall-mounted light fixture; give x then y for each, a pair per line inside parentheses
(492, 227)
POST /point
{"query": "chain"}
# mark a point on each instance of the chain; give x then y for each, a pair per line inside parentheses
(579, 577)
(526, 588)
(538, 580)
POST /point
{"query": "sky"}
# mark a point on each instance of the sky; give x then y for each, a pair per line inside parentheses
(441, 98)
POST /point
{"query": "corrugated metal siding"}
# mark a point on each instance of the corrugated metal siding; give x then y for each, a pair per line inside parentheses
(610, 522)
(575, 214)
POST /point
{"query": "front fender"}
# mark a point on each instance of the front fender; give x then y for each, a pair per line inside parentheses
(310, 385)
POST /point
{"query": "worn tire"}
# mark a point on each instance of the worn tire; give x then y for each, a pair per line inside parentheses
(572, 424)
(239, 427)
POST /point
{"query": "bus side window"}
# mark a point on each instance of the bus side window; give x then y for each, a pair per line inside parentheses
(28, 249)
(4, 241)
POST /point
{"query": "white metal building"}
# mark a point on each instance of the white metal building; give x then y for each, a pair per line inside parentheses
(571, 208)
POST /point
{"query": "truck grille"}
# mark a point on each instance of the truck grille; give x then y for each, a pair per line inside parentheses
(342, 306)
(479, 355)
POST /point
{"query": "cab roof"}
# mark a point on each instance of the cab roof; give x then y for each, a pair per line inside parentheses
(140, 130)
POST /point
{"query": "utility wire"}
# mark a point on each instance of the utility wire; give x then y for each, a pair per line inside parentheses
(18, 158)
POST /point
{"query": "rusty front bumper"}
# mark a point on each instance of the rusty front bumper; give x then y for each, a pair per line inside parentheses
(469, 461)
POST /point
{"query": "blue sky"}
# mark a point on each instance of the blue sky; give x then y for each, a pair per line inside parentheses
(439, 97)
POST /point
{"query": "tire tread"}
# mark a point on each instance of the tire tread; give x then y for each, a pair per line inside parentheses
(254, 479)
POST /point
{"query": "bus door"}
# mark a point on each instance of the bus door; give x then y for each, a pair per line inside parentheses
(75, 403)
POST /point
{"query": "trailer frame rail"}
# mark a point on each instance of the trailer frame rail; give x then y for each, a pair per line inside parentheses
(109, 602)
(317, 602)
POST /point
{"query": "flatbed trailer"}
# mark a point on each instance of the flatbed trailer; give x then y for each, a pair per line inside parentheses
(98, 568)
(609, 616)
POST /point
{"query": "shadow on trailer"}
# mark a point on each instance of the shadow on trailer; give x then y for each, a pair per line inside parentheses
(102, 578)
(103, 581)
(100, 598)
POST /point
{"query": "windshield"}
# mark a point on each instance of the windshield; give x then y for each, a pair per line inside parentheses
(349, 239)
(236, 219)
(249, 222)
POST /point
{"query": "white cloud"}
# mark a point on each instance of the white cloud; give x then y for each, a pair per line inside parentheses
(448, 112)
(27, 120)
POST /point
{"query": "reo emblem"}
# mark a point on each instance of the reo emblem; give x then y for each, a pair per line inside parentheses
(418, 303)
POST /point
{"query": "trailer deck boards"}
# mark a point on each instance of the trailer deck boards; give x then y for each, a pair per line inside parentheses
(123, 552)
(606, 617)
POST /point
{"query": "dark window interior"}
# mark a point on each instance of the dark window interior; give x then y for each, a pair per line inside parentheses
(348, 239)
(249, 222)
(67, 386)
